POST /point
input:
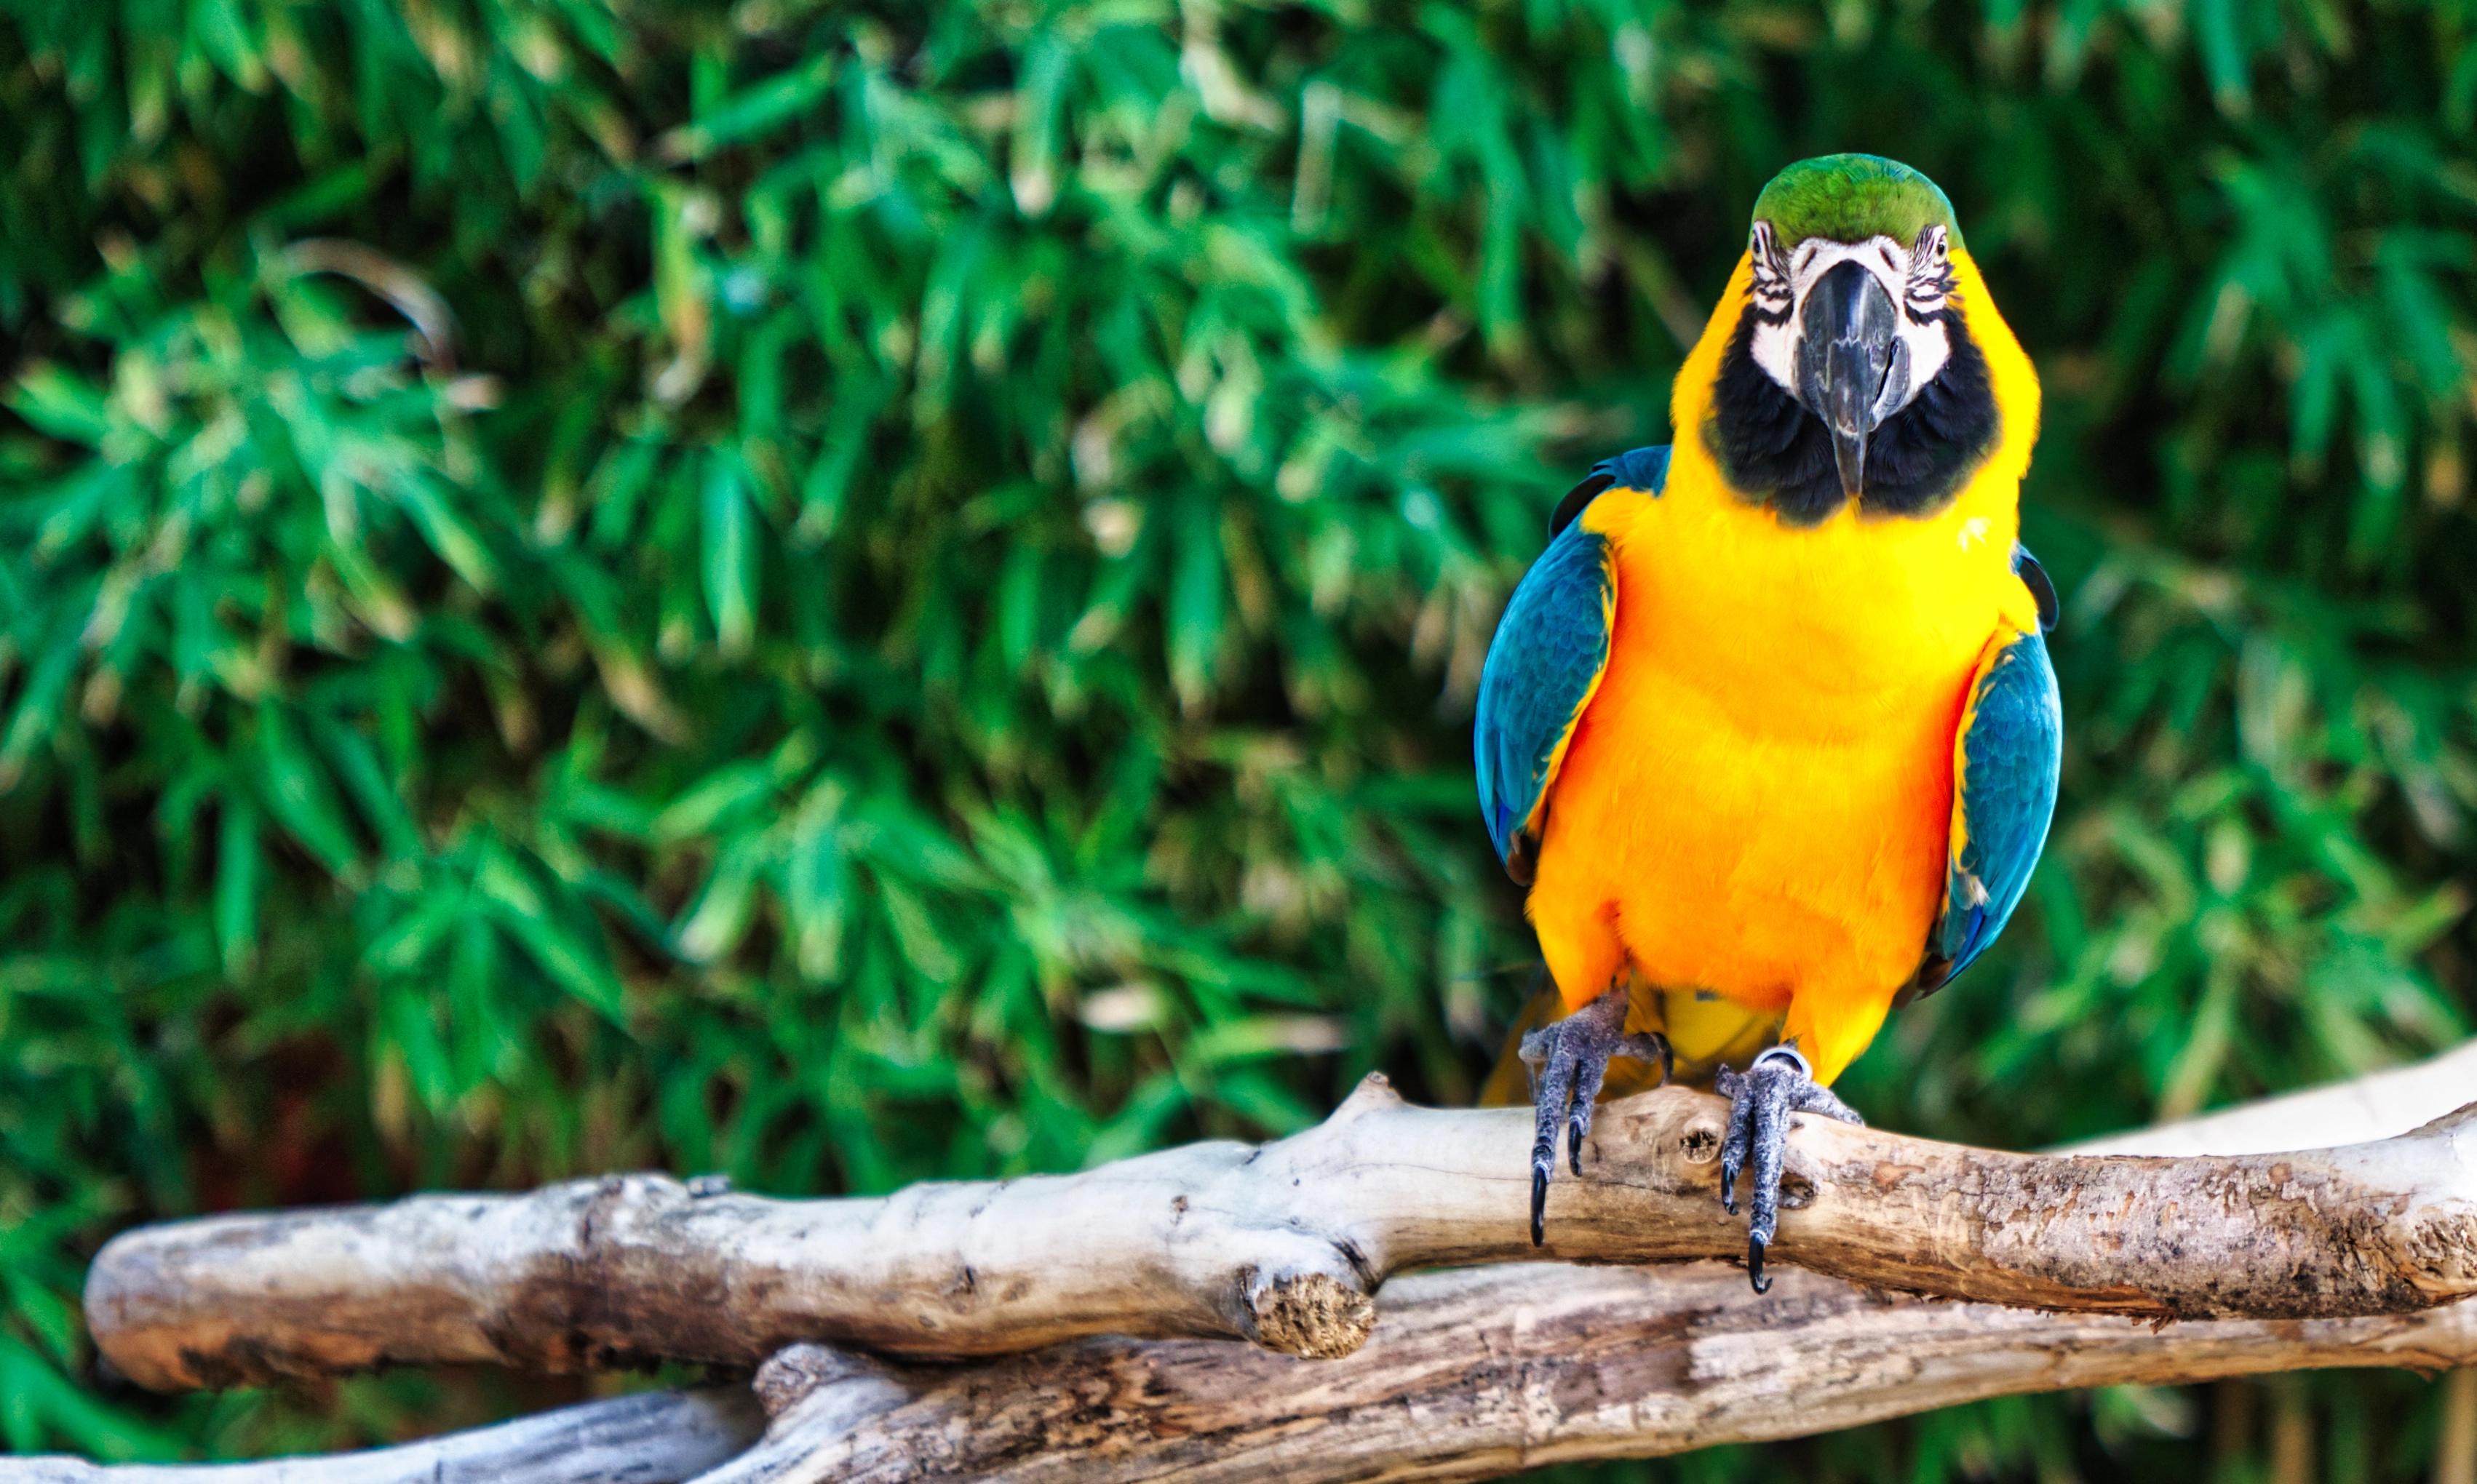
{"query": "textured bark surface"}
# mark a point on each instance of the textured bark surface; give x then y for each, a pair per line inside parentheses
(1480, 1373)
(654, 1438)
(1284, 1243)
(1477, 1373)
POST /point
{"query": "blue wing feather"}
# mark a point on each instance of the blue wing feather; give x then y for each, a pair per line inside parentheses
(1646, 469)
(2009, 756)
(1550, 650)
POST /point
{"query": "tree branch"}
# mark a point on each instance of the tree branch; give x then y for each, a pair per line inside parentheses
(2356, 1111)
(648, 1439)
(1479, 1373)
(1284, 1243)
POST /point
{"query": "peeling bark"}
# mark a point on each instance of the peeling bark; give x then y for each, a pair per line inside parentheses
(1284, 1243)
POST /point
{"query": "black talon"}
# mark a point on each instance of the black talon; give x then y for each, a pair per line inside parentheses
(1734, 1086)
(1568, 1060)
(1762, 1100)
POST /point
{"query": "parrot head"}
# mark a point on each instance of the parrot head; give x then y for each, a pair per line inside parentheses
(1854, 367)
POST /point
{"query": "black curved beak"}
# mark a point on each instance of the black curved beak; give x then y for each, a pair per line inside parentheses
(1852, 368)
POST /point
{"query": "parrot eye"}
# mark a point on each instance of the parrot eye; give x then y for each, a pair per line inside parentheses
(1930, 273)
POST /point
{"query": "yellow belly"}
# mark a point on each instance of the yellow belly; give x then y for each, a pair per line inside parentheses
(1757, 800)
(1750, 852)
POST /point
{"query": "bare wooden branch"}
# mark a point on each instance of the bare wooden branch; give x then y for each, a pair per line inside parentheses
(1284, 1243)
(659, 1438)
(2368, 1107)
(1479, 1373)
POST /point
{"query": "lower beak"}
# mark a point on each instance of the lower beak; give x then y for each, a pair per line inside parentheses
(1848, 360)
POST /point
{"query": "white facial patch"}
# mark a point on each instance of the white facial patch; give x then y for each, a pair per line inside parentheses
(1918, 277)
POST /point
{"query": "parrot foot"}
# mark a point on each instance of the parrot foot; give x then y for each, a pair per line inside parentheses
(1567, 1060)
(1761, 1098)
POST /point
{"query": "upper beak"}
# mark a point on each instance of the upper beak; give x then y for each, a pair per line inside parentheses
(1851, 365)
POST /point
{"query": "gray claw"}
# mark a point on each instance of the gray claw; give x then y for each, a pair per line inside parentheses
(1568, 1060)
(1762, 1099)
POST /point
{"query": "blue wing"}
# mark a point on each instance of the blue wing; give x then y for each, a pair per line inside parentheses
(2005, 764)
(1646, 469)
(1550, 650)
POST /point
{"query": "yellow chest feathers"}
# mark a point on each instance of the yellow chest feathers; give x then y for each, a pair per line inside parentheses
(1832, 627)
(1832, 624)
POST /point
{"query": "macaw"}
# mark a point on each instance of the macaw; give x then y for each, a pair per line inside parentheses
(1769, 729)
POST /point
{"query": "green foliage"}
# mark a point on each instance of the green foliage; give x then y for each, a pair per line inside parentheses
(856, 593)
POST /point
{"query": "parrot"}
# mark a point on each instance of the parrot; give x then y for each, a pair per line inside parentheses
(1769, 731)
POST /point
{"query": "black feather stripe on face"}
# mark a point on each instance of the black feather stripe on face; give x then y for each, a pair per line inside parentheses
(1780, 454)
(1931, 290)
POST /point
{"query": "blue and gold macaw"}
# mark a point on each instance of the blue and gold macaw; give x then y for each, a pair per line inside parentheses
(1770, 729)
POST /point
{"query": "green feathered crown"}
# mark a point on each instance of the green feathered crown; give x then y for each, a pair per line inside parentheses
(1849, 198)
